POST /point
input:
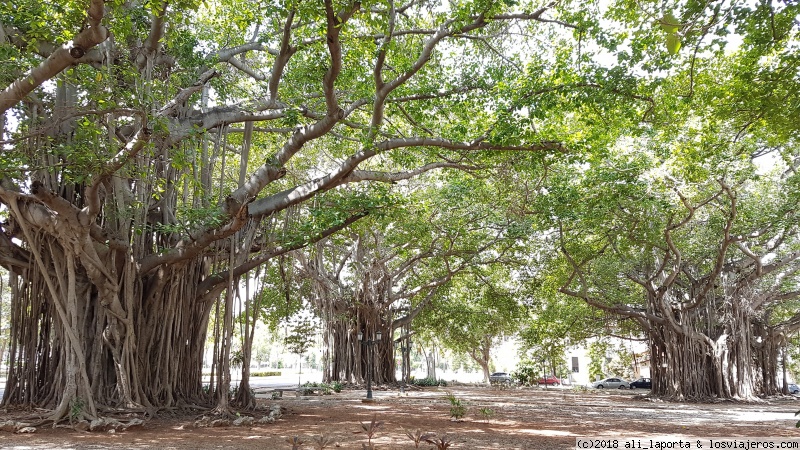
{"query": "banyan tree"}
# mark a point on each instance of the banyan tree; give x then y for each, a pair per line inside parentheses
(714, 291)
(683, 217)
(156, 152)
(368, 281)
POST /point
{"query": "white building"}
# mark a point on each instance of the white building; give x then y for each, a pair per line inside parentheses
(636, 352)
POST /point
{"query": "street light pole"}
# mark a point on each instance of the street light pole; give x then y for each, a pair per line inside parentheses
(368, 343)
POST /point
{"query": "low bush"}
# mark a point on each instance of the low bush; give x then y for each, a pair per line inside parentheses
(265, 374)
(324, 388)
(526, 373)
(428, 382)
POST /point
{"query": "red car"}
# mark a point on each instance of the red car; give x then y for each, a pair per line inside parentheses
(550, 379)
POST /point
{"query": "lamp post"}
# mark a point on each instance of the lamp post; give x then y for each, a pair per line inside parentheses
(369, 343)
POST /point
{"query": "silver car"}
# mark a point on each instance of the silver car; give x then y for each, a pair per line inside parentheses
(611, 383)
(500, 378)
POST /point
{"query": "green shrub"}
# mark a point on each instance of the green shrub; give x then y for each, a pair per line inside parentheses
(266, 374)
(428, 382)
(526, 373)
(325, 388)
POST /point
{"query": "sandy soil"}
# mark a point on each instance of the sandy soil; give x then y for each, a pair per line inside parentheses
(531, 418)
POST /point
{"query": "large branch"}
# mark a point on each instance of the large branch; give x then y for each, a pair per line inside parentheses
(339, 176)
(709, 281)
(406, 320)
(157, 28)
(286, 52)
(392, 144)
(222, 277)
(274, 168)
(184, 94)
(393, 177)
(64, 57)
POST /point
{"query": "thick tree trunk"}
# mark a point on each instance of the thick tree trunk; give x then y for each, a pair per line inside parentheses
(350, 358)
(482, 356)
(135, 342)
(691, 367)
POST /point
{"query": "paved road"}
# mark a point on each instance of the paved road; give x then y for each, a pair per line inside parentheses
(285, 381)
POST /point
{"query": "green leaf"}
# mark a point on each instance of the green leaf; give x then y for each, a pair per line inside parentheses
(669, 23)
(673, 43)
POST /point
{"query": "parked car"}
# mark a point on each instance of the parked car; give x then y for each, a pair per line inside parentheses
(500, 377)
(611, 383)
(550, 379)
(642, 382)
(793, 389)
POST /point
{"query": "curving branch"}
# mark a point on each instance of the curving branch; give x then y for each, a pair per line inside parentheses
(183, 96)
(92, 35)
(393, 177)
(282, 58)
(215, 280)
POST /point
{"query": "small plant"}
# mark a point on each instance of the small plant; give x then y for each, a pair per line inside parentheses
(418, 436)
(323, 441)
(441, 443)
(296, 442)
(457, 409)
(486, 413)
(371, 429)
(76, 407)
(336, 386)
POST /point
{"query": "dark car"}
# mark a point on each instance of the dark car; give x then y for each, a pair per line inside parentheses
(643, 383)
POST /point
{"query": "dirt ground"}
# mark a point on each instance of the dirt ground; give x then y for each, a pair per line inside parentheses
(529, 418)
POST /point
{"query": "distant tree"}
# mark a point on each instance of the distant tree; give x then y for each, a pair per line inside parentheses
(598, 359)
(472, 316)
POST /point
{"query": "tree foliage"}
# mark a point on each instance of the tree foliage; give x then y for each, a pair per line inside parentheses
(473, 315)
(156, 152)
